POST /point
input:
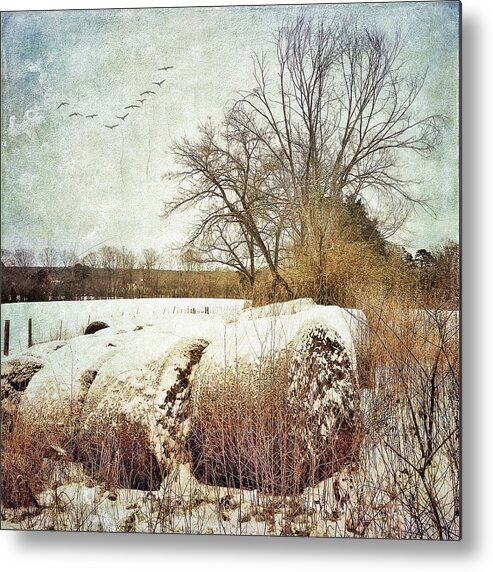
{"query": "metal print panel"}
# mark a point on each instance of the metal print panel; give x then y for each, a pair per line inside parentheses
(230, 270)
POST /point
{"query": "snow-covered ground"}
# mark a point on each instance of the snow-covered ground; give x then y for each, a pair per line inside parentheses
(63, 320)
(183, 505)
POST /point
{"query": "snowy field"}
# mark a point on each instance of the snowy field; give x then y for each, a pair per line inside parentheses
(63, 320)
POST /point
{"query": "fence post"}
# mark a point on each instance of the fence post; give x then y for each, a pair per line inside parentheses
(60, 335)
(6, 338)
(29, 332)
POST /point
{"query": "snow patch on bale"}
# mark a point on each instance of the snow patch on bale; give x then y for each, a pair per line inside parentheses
(277, 309)
(260, 339)
(321, 397)
(40, 351)
(135, 415)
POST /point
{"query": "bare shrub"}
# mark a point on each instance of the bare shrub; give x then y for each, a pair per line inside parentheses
(239, 442)
(24, 449)
(267, 429)
(408, 482)
(117, 451)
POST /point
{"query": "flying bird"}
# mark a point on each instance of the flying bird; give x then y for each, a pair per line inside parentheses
(62, 104)
(132, 106)
(112, 126)
(159, 83)
(122, 117)
(75, 114)
(165, 68)
(141, 100)
(92, 116)
(148, 92)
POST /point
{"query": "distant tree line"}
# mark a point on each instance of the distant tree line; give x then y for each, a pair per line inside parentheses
(107, 272)
(105, 256)
(110, 272)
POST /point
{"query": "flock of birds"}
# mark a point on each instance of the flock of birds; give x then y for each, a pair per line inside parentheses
(131, 107)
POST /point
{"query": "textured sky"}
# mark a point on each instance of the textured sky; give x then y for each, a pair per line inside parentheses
(70, 182)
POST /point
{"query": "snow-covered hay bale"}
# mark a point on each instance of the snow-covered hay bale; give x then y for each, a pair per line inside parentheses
(135, 413)
(16, 375)
(297, 372)
(94, 327)
(321, 399)
(56, 393)
(272, 403)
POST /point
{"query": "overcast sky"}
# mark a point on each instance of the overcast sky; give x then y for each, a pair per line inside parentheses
(70, 182)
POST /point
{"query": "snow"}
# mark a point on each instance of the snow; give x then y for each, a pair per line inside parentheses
(78, 506)
(255, 338)
(183, 505)
(63, 320)
(277, 309)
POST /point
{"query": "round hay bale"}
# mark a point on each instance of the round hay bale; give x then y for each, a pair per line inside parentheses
(17, 373)
(15, 377)
(274, 402)
(94, 327)
(321, 399)
(135, 415)
(55, 394)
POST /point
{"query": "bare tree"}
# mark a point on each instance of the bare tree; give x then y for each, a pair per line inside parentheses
(189, 259)
(49, 257)
(229, 174)
(7, 257)
(68, 258)
(334, 119)
(127, 260)
(91, 259)
(24, 257)
(151, 259)
(150, 262)
(230, 245)
(340, 112)
(109, 257)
